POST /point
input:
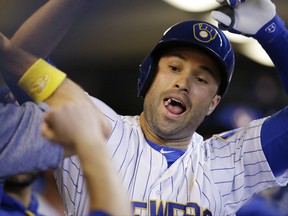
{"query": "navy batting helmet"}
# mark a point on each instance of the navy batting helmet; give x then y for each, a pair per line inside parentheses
(193, 33)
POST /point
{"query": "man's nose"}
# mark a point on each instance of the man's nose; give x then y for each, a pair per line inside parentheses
(183, 83)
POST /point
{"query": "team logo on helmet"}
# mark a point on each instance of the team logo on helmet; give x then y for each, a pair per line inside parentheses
(204, 32)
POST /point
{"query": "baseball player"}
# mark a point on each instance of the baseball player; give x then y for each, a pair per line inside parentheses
(165, 166)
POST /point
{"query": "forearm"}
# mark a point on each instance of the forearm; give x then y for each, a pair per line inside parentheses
(14, 61)
(275, 43)
(41, 33)
(274, 135)
(105, 189)
(68, 91)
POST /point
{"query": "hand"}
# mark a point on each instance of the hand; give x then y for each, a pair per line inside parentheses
(230, 2)
(249, 16)
(75, 124)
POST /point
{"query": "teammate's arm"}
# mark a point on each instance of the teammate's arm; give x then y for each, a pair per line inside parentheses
(72, 127)
(45, 28)
(14, 62)
(22, 147)
(39, 35)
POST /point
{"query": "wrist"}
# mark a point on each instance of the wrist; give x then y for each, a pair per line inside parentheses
(270, 31)
(41, 80)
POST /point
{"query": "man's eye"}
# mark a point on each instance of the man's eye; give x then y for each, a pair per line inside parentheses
(173, 68)
(199, 79)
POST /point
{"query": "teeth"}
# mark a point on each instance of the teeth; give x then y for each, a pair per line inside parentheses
(168, 102)
(175, 106)
(177, 101)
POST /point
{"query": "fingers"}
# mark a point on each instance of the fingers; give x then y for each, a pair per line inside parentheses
(51, 135)
(221, 17)
(232, 3)
(47, 132)
(72, 124)
(220, 1)
(50, 128)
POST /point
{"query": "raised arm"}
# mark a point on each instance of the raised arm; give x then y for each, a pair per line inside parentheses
(14, 62)
(258, 19)
(44, 29)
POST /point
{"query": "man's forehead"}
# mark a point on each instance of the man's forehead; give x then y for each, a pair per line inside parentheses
(182, 53)
(180, 50)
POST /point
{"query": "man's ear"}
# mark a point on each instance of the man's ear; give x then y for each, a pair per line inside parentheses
(214, 103)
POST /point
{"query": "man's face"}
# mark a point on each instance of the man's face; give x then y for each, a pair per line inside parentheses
(183, 92)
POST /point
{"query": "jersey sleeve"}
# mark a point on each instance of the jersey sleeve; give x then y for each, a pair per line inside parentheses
(273, 37)
(22, 146)
(239, 166)
(274, 140)
(110, 114)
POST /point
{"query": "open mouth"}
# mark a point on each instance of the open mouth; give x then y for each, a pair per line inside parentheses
(174, 106)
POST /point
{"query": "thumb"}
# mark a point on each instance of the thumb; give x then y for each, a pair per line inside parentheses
(47, 132)
(221, 17)
(225, 17)
(230, 2)
(221, 1)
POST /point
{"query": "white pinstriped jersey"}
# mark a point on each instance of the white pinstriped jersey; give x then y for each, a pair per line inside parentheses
(213, 177)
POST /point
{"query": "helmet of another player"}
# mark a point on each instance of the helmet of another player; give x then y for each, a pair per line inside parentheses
(196, 34)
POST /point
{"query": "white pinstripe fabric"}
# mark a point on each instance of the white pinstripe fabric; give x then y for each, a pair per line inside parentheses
(217, 175)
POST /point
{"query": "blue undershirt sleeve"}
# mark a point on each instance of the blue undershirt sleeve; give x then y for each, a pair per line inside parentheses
(273, 37)
(274, 139)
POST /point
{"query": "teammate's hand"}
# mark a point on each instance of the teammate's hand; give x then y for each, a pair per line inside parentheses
(244, 17)
(75, 124)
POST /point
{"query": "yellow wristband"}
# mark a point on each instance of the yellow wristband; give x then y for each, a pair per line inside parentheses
(41, 80)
